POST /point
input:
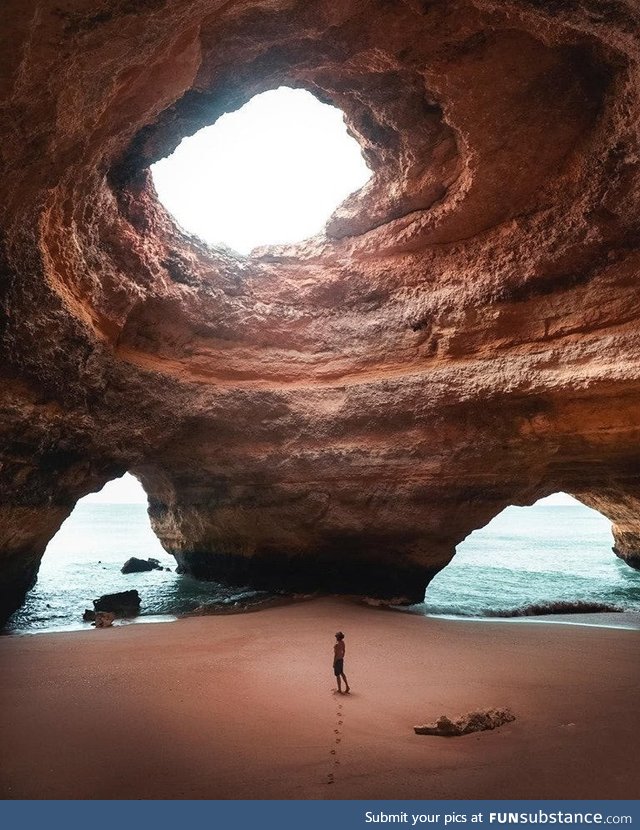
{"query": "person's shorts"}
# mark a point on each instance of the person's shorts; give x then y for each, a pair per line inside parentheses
(338, 666)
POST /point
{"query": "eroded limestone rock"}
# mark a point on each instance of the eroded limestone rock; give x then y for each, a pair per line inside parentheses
(134, 565)
(122, 604)
(338, 414)
(104, 619)
(478, 721)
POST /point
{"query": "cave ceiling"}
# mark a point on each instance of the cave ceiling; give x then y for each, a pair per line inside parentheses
(338, 414)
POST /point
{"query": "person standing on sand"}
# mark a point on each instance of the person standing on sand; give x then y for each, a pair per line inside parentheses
(338, 663)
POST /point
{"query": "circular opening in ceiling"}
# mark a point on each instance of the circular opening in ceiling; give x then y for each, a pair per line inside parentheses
(270, 173)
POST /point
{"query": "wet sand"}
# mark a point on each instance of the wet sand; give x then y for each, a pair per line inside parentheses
(242, 707)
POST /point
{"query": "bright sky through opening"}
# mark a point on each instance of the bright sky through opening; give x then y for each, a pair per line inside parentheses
(272, 172)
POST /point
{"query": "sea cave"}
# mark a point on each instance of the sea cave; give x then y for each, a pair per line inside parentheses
(332, 415)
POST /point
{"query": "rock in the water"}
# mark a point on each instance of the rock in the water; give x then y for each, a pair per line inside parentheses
(104, 619)
(89, 615)
(123, 604)
(477, 721)
(135, 565)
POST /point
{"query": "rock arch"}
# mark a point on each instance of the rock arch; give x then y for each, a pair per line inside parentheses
(560, 545)
(341, 413)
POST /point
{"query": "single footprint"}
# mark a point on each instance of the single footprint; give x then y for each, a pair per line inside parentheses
(336, 763)
(336, 731)
(338, 740)
(332, 752)
(340, 722)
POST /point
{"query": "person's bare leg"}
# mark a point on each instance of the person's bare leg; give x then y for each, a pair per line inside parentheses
(339, 686)
(346, 683)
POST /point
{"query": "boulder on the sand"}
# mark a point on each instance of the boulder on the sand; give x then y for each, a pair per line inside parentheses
(123, 604)
(135, 565)
(464, 724)
(89, 615)
(104, 619)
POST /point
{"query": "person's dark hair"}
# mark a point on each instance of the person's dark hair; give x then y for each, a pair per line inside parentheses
(339, 636)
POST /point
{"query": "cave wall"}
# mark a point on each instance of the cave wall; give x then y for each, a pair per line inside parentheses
(338, 414)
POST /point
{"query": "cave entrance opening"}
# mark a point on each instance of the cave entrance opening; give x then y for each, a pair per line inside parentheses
(556, 551)
(269, 173)
(83, 560)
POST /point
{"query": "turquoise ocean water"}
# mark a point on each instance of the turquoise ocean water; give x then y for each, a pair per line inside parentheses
(526, 555)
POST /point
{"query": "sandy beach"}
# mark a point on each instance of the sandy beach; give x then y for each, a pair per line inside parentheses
(241, 707)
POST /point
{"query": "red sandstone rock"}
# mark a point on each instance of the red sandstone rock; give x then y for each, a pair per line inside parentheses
(339, 414)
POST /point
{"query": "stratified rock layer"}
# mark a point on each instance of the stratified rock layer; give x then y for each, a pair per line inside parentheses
(339, 414)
